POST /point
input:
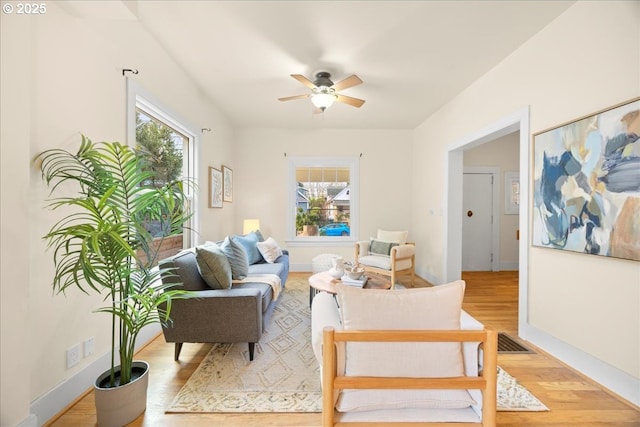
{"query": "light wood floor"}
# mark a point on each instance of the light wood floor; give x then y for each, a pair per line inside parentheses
(574, 400)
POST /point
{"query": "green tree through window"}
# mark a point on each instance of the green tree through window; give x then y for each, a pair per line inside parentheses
(161, 152)
(162, 148)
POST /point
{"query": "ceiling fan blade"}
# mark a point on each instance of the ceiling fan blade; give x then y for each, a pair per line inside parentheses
(354, 102)
(290, 98)
(305, 81)
(347, 83)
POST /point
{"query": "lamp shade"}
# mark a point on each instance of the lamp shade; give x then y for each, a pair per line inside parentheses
(323, 100)
(250, 225)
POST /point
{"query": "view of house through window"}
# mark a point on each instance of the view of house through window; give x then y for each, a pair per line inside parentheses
(323, 201)
(166, 153)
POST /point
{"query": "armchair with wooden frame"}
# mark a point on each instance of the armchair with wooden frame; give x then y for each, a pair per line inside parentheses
(388, 255)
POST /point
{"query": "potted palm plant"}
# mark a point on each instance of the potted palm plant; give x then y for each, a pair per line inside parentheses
(103, 247)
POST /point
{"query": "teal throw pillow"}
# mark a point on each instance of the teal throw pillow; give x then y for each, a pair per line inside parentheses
(250, 244)
(378, 247)
(213, 266)
(237, 257)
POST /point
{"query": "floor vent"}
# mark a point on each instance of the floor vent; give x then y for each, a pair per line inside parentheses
(506, 344)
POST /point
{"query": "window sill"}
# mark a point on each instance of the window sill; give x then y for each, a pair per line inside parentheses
(320, 242)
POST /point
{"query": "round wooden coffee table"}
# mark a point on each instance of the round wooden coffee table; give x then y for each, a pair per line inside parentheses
(324, 282)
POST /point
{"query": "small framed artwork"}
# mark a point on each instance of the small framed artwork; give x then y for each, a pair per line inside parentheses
(215, 188)
(227, 187)
(511, 193)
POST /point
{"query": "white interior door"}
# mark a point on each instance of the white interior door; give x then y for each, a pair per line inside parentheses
(477, 222)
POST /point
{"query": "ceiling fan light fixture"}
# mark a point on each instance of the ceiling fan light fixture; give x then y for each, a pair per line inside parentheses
(323, 97)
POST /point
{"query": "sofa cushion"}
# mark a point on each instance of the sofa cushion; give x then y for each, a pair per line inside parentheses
(436, 308)
(250, 244)
(270, 250)
(237, 257)
(213, 266)
(266, 292)
(266, 268)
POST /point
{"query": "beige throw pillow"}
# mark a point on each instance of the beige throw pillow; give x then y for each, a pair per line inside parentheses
(270, 250)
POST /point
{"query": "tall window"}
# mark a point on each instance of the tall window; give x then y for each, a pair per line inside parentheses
(323, 199)
(169, 149)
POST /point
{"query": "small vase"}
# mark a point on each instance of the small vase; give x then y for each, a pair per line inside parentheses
(337, 267)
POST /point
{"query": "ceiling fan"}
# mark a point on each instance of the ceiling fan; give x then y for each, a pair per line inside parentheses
(324, 91)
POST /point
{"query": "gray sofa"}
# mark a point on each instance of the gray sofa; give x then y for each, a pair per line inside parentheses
(229, 315)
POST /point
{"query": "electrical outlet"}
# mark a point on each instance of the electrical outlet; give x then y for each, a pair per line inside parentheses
(73, 356)
(89, 344)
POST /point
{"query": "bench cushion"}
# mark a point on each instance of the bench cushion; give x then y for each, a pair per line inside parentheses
(435, 308)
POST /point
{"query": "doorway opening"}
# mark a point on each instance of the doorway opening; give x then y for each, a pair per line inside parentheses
(517, 122)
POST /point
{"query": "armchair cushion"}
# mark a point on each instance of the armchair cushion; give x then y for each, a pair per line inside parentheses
(437, 308)
(393, 236)
(213, 266)
(383, 262)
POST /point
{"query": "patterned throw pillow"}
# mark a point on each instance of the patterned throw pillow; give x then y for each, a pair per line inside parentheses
(270, 250)
(213, 266)
(378, 247)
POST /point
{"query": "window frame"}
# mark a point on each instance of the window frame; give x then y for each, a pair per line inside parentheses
(138, 98)
(354, 210)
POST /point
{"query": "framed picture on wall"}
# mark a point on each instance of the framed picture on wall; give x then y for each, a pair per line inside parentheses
(227, 187)
(215, 188)
(586, 177)
(511, 193)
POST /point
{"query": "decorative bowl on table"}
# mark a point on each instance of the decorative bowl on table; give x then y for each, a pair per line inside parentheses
(354, 274)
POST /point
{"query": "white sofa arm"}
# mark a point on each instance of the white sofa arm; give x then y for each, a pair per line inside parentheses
(324, 312)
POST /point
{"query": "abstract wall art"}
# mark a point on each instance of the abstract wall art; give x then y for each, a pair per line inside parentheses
(587, 184)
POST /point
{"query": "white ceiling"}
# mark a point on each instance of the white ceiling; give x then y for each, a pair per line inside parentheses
(413, 56)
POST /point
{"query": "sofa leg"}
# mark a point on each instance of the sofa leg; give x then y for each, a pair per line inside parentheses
(252, 347)
(176, 353)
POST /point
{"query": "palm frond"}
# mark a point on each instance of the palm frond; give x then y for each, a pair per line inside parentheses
(95, 246)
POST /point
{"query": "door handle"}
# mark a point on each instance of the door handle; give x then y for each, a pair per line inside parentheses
(469, 214)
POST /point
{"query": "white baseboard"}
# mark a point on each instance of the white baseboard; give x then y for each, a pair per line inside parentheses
(300, 268)
(30, 421)
(55, 400)
(509, 265)
(617, 381)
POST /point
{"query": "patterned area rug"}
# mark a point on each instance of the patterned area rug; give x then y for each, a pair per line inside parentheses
(513, 396)
(284, 375)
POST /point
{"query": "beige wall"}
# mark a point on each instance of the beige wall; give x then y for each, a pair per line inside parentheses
(262, 174)
(15, 83)
(61, 75)
(585, 60)
(503, 153)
